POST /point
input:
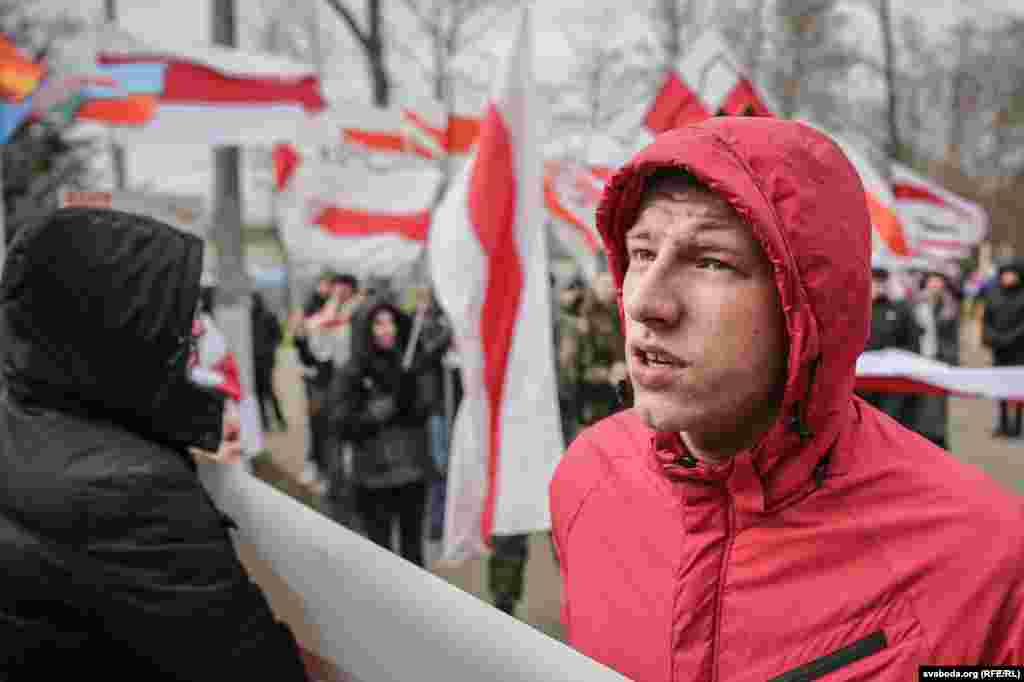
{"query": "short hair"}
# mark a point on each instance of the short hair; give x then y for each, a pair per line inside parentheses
(346, 278)
(670, 181)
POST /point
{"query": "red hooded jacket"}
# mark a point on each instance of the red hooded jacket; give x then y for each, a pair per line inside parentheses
(842, 545)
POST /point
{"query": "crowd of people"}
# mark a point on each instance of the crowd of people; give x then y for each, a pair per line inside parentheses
(923, 312)
(747, 510)
(382, 386)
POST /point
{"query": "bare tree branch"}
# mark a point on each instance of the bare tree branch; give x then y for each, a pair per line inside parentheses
(350, 20)
(429, 27)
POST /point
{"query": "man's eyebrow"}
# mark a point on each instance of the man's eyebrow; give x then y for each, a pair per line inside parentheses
(710, 224)
(643, 234)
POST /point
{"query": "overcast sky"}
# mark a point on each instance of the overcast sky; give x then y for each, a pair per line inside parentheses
(186, 170)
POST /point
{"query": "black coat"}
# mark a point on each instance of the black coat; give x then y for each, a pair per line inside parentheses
(1003, 324)
(391, 445)
(114, 559)
(435, 341)
(893, 326)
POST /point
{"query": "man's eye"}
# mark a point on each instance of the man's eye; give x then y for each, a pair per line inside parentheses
(713, 264)
(641, 255)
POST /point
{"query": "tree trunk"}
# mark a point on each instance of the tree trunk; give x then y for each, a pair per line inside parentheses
(895, 146)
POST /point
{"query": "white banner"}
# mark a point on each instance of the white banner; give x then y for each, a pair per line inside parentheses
(381, 617)
(998, 383)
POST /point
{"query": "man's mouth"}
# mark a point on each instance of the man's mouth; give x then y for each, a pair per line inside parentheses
(656, 357)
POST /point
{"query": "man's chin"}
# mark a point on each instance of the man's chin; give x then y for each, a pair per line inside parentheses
(662, 417)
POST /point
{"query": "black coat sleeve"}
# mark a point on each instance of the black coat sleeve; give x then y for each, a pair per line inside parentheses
(165, 582)
(347, 399)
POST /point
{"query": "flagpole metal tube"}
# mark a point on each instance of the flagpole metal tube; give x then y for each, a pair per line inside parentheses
(3, 213)
(417, 329)
(233, 287)
(116, 151)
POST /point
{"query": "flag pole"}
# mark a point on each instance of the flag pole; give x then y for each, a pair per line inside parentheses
(417, 329)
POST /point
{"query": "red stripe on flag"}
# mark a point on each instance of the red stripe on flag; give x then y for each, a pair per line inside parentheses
(744, 101)
(554, 204)
(232, 384)
(916, 192)
(346, 222)
(674, 106)
(385, 142)
(286, 162)
(192, 83)
(880, 384)
(463, 132)
(393, 142)
(130, 110)
(492, 212)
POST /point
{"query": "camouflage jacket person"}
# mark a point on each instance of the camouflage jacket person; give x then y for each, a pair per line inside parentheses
(592, 354)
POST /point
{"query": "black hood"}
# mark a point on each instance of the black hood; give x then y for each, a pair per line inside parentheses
(362, 329)
(1017, 266)
(96, 308)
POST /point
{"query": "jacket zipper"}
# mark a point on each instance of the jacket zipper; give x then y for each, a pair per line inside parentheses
(841, 658)
(716, 646)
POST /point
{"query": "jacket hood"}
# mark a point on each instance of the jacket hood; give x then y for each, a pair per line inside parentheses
(1016, 265)
(805, 204)
(362, 329)
(96, 310)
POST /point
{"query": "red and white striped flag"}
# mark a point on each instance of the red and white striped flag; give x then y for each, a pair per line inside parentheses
(489, 264)
(367, 213)
(178, 92)
(940, 224)
(215, 367)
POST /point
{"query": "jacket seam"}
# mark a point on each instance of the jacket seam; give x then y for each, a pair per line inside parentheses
(723, 571)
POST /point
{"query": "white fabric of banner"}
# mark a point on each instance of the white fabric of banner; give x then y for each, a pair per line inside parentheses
(381, 617)
(998, 383)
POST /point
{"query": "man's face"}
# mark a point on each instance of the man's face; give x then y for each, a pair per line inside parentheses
(705, 332)
(385, 330)
(604, 288)
(344, 291)
(1009, 278)
(935, 285)
(879, 286)
(324, 287)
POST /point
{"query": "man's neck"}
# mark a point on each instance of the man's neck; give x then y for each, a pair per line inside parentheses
(718, 448)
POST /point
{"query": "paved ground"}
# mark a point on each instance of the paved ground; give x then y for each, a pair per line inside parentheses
(971, 421)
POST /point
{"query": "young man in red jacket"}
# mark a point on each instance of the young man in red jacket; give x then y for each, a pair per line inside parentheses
(750, 518)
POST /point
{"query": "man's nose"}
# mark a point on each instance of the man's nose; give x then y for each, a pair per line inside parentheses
(652, 298)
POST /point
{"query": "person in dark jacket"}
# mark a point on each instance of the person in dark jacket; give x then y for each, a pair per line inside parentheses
(434, 342)
(316, 375)
(114, 559)
(937, 314)
(1003, 332)
(892, 326)
(266, 338)
(375, 405)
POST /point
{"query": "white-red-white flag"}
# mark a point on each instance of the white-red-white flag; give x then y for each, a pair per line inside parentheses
(215, 366)
(489, 264)
(940, 224)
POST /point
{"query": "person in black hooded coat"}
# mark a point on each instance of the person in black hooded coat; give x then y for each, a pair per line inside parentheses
(114, 559)
(1003, 332)
(376, 406)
